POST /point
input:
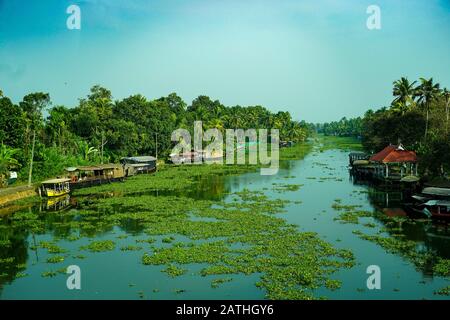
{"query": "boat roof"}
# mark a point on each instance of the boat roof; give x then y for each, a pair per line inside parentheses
(53, 181)
(444, 203)
(139, 159)
(109, 166)
(420, 198)
(138, 165)
(83, 168)
(437, 191)
(93, 168)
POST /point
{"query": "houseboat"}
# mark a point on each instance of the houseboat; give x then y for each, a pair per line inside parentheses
(55, 187)
(186, 157)
(136, 165)
(86, 176)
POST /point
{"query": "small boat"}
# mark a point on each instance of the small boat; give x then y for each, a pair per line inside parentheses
(437, 208)
(435, 192)
(55, 187)
(434, 208)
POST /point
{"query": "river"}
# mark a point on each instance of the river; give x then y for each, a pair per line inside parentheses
(324, 180)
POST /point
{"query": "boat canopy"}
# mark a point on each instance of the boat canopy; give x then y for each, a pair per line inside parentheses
(55, 181)
(437, 191)
(443, 203)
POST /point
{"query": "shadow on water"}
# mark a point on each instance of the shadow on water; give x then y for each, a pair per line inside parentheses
(432, 237)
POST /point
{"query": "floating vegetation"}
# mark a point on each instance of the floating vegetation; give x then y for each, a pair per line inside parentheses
(174, 271)
(49, 274)
(51, 247)
(333, 284)
(217, 282)
(442, 267)
(168, 240)
(178, 219)
(178, 291)
(21, 275)
(99, 246)
(131, 248)
(149, 240)
(281, 187)
(55, 259)
(443, 291)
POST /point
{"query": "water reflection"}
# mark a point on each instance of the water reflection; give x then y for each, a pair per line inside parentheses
(432, 237)
(65, 218)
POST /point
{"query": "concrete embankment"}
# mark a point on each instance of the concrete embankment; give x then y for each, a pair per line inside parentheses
(8, 195)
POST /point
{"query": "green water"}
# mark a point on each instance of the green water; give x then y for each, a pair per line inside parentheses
(120, 274)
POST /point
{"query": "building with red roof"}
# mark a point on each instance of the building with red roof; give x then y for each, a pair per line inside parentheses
(395, 163)
(394, 154)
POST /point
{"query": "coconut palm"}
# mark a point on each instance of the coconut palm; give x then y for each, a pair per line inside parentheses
(426, 92)
(403, 90)
(446, 95)
(399, 108)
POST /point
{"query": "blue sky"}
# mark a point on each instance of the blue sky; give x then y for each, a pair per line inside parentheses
(313, 58)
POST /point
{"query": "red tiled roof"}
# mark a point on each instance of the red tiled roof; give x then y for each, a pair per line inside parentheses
(394, 153)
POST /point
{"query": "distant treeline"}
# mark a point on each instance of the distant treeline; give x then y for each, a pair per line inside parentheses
(418, 117)
(342, 128)
(100, 129)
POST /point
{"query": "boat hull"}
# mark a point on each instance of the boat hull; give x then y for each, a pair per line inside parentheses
(53, 193)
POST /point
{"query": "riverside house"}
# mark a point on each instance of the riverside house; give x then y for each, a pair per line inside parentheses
(395, 163)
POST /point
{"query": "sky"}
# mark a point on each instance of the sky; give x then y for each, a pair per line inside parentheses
(316, 59)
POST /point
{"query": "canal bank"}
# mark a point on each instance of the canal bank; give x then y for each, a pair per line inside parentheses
(8, 195)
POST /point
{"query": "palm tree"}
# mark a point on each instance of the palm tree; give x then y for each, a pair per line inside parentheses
(399, 108)
(86, 150)
(296, 132)
(446, 95)
(426, 92)
(403, 90)
(7, 161)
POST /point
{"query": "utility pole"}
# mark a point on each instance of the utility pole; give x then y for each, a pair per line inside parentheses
(32, 157)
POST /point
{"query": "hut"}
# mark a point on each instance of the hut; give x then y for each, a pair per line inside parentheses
(395, 163)
(136, 165)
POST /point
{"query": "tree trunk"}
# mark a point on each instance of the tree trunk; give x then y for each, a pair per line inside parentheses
(156, 145)
(446, 111)
(102, 147)
(426, 125)
(30, 173)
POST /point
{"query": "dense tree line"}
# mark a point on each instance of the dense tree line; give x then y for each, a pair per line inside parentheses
(342, 128)
(418, 117)
(100, 129)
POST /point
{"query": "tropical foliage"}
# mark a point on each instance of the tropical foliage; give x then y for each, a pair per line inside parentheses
(101, 129)
(418, 117)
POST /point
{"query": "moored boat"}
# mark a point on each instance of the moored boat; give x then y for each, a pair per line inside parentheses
(435, 192)
(55, 187)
